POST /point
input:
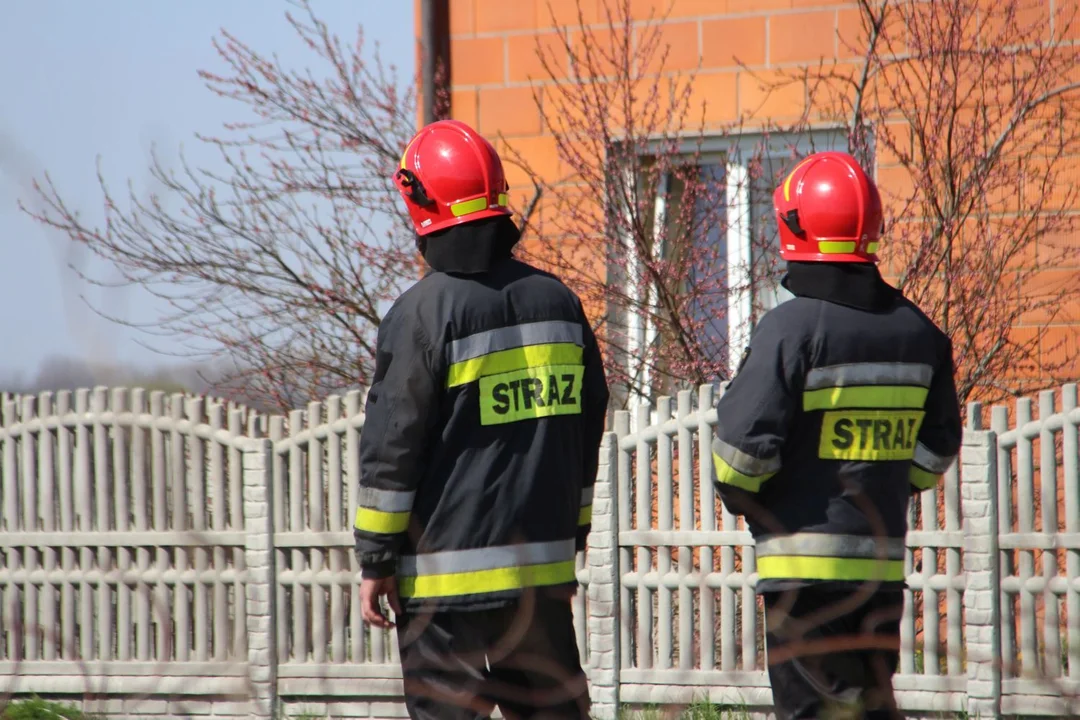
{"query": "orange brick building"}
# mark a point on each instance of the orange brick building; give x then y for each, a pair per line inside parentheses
(497, 83)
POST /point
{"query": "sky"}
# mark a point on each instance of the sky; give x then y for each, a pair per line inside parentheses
(83, 81)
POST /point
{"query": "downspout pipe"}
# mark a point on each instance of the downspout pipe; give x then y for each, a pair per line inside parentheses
(434, 53)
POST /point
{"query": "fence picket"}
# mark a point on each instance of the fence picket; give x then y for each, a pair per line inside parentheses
(121, 515)
(218, 521)
(84, 510)
(334, 489)
(277, 435)
(236, 522)
(664, 469)
(686, 522)
(141, 505)
(46, 480)
(1049, 525)
(31, 621)
(706, 595)
(1026, 516)
(316, 523)
(1070, 453)
(999, 423)
(300, 602)
(358, 647)
(643, 497)
(164, 643)
(65, 459)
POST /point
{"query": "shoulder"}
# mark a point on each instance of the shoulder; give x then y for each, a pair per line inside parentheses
(790, 322)
(932, 328)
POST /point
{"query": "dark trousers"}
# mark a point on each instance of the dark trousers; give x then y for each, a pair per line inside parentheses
(832, 651)
(522, 657)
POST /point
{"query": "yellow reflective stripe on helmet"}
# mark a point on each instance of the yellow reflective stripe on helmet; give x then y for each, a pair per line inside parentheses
(923, 479)
(868, 396)
(730, 476)
(378, 521)
(504, 199)
(795, 567)
(504, 361)
(787, 181)
(469, 206)
(872, 248)
(834, 247)
(487, 581)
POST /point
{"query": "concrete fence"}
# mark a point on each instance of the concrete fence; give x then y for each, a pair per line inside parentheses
(181, 557)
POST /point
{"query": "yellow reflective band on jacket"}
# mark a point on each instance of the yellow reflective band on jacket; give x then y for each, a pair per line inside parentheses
(585, 514)
(382, 522)
(529, 393)
(872, 396)
(923, 479)
(741, 469)
(477, 571)
(385, 512)
(532, 356)
(730, 476)
(873, 435)
(794, 567)
(487, 581)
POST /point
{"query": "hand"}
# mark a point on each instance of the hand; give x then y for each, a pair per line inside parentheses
(371, 591)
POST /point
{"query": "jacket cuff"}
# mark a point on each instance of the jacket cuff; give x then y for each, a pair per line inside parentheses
(377, 570)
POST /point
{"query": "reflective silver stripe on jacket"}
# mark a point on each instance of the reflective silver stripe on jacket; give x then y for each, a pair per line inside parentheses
(870, 374)
(491, 558)
(586, 496)
(931, 461)
(744, 462)
(515, 336)
(829, 545)
(390, 501)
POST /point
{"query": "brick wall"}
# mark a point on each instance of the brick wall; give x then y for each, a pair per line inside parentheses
(496, 80)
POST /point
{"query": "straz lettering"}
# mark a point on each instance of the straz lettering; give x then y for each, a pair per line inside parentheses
(869, 434)
(530, 393)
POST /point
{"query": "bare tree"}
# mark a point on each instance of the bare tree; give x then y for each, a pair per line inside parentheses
(970, 110)
(285, 260)
(633, 222)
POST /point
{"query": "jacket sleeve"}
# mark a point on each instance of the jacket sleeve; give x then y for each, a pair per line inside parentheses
(755, 414)
(402, 405)
(594, 408)
(940, 434)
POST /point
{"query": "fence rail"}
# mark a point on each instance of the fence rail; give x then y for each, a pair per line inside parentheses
(158, 547)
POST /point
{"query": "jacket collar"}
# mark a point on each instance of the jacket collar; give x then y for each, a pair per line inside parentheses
(857, 285)
(471, 248)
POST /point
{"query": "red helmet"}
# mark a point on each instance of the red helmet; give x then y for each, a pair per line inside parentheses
(828, 210)
(450, 175)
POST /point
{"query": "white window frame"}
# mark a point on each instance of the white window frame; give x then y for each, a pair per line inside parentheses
(729, 151)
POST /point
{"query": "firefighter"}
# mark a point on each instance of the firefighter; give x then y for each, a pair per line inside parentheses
(844, 405)
(478, 453)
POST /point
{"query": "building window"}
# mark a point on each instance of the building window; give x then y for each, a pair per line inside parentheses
(744, 172)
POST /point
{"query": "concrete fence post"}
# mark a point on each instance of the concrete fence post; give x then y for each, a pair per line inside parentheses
(982, 567)
(261, 577)
(604, 581)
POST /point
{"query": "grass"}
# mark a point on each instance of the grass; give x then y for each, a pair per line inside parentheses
(37, 709)
(699, 710)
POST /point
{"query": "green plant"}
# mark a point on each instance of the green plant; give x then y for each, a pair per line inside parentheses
(37, 709)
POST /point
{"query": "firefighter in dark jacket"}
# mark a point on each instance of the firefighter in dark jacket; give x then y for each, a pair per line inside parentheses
(843, 407)
(479, 452)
